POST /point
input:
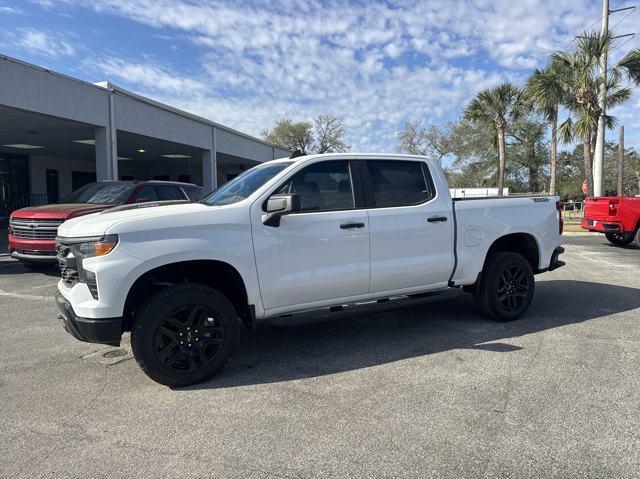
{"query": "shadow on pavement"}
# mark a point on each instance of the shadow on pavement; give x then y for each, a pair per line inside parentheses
(13, 267)
(362, 340)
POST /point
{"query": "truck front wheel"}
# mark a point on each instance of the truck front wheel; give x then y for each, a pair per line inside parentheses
(506, 287)
(184, 334)
(621, 239)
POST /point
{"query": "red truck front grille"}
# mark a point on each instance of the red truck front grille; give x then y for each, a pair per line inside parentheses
(35, 229)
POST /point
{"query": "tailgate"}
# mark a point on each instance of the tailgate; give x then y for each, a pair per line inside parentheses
(598, 209)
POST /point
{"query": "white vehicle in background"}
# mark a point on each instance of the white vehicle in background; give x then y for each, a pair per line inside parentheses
(290, 236)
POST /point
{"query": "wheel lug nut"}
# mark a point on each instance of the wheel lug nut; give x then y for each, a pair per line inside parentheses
(189, 344)
(181, 342)
(180, 334)
(188, 328)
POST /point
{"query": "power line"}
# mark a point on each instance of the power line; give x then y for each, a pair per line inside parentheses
(599, 20)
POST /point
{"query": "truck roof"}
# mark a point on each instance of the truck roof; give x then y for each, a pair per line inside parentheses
(351, 155)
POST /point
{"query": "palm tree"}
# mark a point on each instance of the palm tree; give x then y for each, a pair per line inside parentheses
(545, 90)
(581, 82)
(495, 109)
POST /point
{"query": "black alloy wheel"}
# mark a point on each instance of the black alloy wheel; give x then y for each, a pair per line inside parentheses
(184, 334)
(189, 338)
(513, 288)
(506, 286)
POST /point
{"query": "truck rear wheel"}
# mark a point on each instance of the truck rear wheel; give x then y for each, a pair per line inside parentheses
(621, 239)
(185, 334)
(506, 287)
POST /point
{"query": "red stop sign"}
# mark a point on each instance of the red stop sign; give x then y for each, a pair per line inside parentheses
(584, 187)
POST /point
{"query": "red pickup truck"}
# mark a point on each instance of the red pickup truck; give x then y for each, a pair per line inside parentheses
(32, 231)
(617, 217)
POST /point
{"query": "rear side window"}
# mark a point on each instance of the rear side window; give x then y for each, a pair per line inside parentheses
(167, 193)
(399, 183)
(145, 194)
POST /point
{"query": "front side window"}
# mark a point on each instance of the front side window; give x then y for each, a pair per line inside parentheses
(169, 193)
(398, 183)
(322, 186)
(244, 185)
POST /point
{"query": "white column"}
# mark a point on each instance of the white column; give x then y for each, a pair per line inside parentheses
(210, 166)
(107, 148)
(106, 158)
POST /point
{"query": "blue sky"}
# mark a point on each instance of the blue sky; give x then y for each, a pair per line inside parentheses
(374, 65)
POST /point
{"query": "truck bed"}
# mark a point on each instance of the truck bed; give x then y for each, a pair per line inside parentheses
(480, 220)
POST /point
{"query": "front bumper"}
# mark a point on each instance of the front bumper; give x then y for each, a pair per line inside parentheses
(32, 250)
(34, 256)
(103, 330)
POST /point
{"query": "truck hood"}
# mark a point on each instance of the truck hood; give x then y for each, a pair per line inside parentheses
(128, 219)
(59, 211)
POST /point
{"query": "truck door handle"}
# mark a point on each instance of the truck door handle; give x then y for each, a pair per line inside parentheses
(437, 219)
(346, 226)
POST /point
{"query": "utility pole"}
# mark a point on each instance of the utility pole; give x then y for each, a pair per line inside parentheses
(620, 160)
(598, 160)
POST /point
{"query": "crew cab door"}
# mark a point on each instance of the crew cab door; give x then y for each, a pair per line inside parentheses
(411, 225)
(320, 253)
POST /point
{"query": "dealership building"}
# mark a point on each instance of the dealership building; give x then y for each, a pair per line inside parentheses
(58, 133)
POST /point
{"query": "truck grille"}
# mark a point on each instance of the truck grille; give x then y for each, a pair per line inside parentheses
(35, 229)
(68, 264)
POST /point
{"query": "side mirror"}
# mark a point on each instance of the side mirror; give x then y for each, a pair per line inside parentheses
(278, 206)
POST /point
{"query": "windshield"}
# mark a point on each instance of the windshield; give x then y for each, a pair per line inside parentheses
(112, 193)
(242, 186)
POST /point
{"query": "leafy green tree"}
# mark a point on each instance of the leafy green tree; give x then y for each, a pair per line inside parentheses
(291, 135)
(528, 150)
(494, 109)
(545, 90)
(581, 82)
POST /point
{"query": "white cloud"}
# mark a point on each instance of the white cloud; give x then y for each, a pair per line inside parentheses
(43, 43)
(10, 10)
(372, 64)
(147, 75)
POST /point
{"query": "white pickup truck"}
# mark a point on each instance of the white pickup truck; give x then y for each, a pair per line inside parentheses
(291, 236)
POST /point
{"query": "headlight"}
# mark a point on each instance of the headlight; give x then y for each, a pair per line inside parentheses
(99, 247)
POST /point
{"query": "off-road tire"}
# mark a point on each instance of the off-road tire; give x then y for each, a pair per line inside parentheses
(500, 298)
(170, 318)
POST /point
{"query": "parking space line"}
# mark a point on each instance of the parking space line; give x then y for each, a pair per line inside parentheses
(24, 296)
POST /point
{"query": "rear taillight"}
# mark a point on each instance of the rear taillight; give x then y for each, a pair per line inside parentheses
(613, 211)
(560, 208)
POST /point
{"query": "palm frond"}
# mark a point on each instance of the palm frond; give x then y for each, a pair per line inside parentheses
(630, 63)
(565, 131)
(617, 97)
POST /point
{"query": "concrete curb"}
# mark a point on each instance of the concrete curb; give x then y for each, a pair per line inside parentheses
(579, 233)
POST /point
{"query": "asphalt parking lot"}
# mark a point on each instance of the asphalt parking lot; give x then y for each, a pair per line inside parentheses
(426, 390)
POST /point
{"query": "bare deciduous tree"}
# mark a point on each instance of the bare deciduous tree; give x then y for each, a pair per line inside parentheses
(329, 133)
(326, 137)
(417, 140)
